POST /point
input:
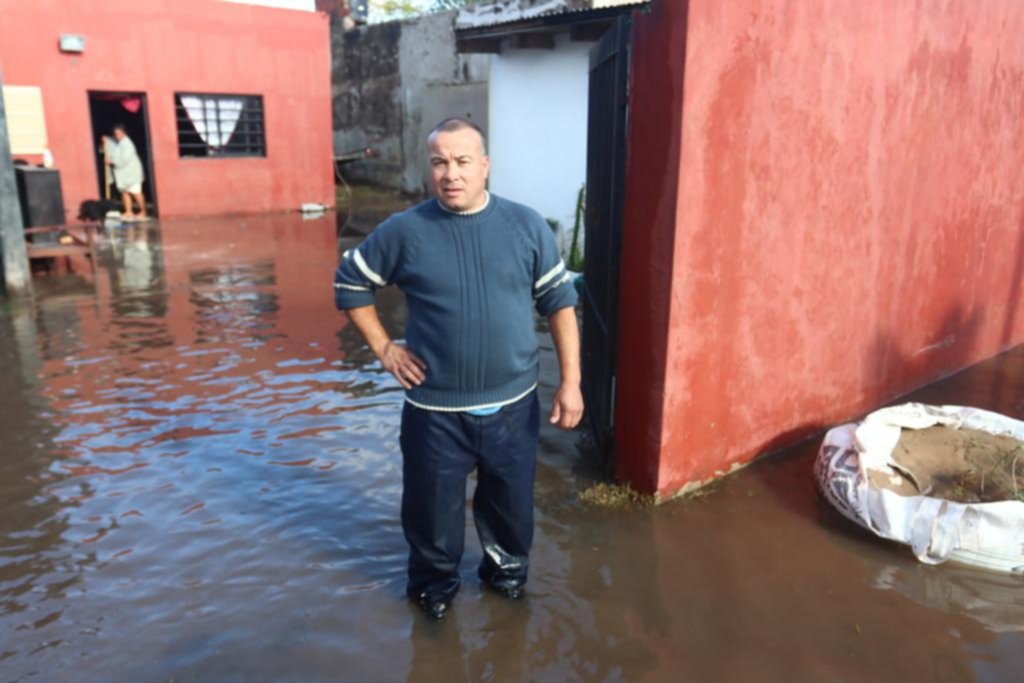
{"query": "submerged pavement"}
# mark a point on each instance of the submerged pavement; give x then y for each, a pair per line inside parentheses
(200, 479)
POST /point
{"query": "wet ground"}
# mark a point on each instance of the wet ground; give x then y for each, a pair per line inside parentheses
(199, 481)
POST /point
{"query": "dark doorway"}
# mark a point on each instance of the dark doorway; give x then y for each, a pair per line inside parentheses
(107, 109)
(606, 166)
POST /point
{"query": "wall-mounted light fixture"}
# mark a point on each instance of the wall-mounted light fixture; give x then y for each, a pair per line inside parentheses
(71, 42)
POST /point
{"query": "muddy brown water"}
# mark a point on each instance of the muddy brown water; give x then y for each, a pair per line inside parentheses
(199, 481)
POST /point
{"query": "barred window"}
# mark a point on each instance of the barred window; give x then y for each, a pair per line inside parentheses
(220, 125)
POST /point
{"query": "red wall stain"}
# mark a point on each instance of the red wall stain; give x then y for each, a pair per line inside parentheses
(849, 222)
(161, 47)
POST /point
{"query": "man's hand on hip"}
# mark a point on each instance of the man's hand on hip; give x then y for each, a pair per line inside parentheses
(567, 406)
(405, 365)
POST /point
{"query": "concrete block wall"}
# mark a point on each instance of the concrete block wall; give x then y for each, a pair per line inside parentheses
(391, 83)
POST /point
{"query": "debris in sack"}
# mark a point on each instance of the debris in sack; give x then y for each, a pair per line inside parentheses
(945, 480)
(962, 465)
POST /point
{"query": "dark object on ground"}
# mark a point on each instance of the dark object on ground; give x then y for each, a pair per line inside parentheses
(962, 465)
(97, 209)
(39, 195)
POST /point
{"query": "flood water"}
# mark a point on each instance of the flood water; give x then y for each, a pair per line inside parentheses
(200, 480)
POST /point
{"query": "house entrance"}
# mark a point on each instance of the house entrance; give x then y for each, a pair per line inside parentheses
(108, 109)
(606, 165)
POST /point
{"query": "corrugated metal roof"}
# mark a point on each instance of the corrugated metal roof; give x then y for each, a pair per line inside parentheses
(511, 11)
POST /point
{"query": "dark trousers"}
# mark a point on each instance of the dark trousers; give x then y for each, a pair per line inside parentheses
(439, 451)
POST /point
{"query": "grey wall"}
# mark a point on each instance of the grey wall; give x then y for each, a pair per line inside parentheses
(365, 85)
(390, 84)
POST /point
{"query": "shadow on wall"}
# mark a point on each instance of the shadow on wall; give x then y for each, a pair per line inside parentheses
(888, 374)
(1012, 310)
(954, 349)
(891, 373)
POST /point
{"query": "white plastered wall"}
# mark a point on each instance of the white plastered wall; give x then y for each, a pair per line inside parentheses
(538, 127)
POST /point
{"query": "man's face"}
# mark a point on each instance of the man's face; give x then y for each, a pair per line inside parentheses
(118, 134)
(458, 168)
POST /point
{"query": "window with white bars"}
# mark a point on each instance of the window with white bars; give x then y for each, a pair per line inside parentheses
(220, 125)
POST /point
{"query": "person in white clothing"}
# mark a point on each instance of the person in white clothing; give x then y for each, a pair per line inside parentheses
(119, 153)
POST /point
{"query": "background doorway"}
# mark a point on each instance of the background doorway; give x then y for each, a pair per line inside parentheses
(128, 108)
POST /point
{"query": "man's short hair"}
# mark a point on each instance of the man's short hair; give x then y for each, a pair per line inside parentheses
(454, 123)
(120, 127)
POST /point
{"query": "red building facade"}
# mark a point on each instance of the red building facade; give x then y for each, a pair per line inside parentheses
(230, 104)
(824, 210)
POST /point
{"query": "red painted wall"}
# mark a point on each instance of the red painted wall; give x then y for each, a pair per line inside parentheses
(825, 209)
(161, 47)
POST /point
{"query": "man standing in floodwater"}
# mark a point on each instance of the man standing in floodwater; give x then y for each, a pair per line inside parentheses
(473, 266)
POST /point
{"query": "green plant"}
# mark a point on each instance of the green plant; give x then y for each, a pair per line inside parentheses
(555, 225)
(575, 257)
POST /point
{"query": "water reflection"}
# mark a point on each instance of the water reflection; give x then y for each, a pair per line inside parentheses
(200, 481)
(36, 569)
(994, 600)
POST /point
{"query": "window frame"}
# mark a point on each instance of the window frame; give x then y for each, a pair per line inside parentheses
(253, 119)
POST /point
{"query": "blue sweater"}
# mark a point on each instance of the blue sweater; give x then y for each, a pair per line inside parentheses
(471, 282)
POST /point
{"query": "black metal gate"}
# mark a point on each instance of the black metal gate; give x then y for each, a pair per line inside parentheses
(606, 165)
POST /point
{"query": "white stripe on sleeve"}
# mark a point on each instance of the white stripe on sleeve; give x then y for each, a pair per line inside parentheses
(550, 275)
(561, 281)
(367, 271)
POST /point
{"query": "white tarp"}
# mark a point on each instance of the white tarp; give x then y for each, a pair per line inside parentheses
(985, 535)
